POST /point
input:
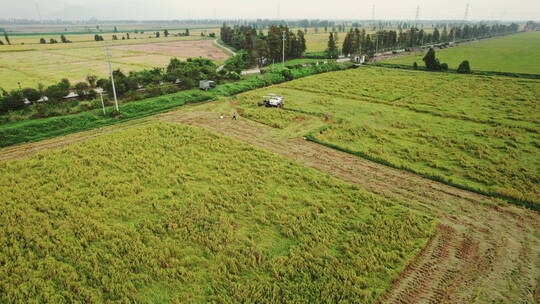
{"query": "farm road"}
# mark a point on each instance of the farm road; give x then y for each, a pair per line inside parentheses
(482, 252)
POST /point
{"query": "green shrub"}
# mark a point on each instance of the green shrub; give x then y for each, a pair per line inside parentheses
(464, 67)
(444, 67)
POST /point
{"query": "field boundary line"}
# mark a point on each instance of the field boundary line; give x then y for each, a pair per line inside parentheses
(390, 103)
(518, 202)
(453, 71)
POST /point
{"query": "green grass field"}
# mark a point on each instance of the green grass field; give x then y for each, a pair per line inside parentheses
(164, 213)
(480, 133)
(515, 54)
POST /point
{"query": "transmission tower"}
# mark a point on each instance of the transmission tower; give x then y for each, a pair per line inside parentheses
(466, 12)
(278, 11)
(373, 13)
(417, 15)
(38, 11)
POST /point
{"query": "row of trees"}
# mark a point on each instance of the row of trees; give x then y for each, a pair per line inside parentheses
(357, 41)
(264, 49)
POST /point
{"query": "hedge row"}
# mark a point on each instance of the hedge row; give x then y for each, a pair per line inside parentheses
(39, 129)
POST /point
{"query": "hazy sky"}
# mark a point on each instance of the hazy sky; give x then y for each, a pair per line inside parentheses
(290, 9)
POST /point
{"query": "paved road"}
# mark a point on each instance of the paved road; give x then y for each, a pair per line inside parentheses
(228, 50)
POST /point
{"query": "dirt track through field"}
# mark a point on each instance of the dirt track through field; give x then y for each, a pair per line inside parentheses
(481, 252)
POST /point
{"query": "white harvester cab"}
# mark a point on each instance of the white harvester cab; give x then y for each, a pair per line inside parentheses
(273, 101)
(206, 85)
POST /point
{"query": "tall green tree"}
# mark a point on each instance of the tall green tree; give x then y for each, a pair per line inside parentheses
(301, 43)
(436, 35)
(347, 48)
(431, 61)
(332, 50)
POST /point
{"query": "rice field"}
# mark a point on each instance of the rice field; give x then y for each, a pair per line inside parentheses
(478, 133)
(29, 63)
(515, 54)
(164, 213)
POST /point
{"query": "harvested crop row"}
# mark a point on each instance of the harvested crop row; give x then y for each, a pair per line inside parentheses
(476, 133)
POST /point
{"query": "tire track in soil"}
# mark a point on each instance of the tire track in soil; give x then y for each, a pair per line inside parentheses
(482, 251)
(479, 246)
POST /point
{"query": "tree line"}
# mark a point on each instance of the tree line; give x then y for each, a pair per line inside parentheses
(178, 75)
(358, 41)
(264, 49)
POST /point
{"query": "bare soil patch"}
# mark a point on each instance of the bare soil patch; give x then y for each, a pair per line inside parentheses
(198, 48)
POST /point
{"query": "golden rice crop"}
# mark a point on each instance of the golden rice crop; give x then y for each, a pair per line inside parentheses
(168, 213)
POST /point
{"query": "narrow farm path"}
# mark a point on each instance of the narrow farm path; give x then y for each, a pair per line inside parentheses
(483, 251)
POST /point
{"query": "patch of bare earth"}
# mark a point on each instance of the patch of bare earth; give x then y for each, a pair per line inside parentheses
(196, 48)
(480, 252)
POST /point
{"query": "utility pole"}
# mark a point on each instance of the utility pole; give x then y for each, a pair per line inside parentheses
(102, 103)
(283, 49)
(377, 43)
(417, 14)
(108, 56)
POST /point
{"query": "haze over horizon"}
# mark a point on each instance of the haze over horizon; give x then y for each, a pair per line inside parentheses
(268, 9)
